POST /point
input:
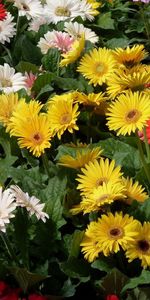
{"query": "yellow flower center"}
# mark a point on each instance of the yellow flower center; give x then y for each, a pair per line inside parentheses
(37, 137)
(65, 119)
(62, 11)
(133, 116)
(5, 83)
(100, 68)
(144, 246)
(115, 233)
(100, 181)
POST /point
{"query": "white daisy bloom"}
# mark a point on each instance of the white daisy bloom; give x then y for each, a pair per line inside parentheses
(46, 42)
(7, 29)
(11, 81)
(7, 207)
(61, 10)
(36, 23)
(76, 30)
(29, 8)
(86, 10)
(32, 204)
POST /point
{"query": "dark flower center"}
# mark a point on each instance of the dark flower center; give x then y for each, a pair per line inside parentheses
(115, 232)
(143, 245)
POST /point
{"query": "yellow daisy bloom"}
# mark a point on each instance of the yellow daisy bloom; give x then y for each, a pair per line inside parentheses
(83, 156)
(8, 103)
(72, 55)
(71, 96)
(97, 65)
(121, 82)
(130, 56)
(110, 233)
(134, 191)
(62, 116)
(128, 113)
(104, 194)
(140, 247)
(94, 6)
(34, 135)
(92, 99)
(26, 110)
(96, 173)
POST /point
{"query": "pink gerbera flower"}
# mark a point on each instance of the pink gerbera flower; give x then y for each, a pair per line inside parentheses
(3, 12)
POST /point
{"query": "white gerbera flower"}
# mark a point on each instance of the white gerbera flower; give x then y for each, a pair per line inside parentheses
(76, 30)
(36, 23)
(29, 8)
(86, 10)
(61, 10)
(32, 204)
(11, 81)
(7, 29)
(7, 206)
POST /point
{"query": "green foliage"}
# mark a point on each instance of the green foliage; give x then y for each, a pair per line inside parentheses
(144, 278)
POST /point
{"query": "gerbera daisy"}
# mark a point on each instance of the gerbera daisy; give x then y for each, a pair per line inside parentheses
(62, 116)
(134, 81)
(10, 81)
(3, 12)
(140, 247)
(76, 30)
(7, 29)
(134, 191)
(104, 194)
(29, 8)
(32, 204)
(97, 65)
(128, 113)
(89, 9)
(55, 39)
(92, 99)
(62, 10)
(7, 105)
(130, 56)
(74, 53)
(112, 232)
(97, 173)
(7, 207)
(34, 135)
(82, 157)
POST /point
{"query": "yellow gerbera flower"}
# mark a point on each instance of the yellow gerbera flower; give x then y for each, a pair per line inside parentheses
(71, 96)
(8, 103)
(62, 116)
(94, 6)
(140, 247)
(122, 81)
(110, 233)
(34, 135)
(134, 191)
(26, 110)
(130, 56)
(74, 53)
(92, 99)
(83, 156)
(105, 194)
(97, 65)
(96, 173)
(128, 113)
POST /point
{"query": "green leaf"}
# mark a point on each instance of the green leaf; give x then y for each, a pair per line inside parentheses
(68, 289)
(103, 264)
(113, 282)
(47, 88)
(117, 42)
(137, 294)
(28, 67)
(75, 244)
(42, 81)
(105, 21)
(7, 161)
(51, 60)
(76, 268)
(144, 278)
(68, 84)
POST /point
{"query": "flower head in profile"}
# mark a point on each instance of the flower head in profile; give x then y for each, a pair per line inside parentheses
(75, 30)
(3, 12)
(92, 99)
(62, 116)
(130, 56)
(32, 204)
(74, 53)
(8, 103)
(141, 133)
(30, 78)
(134, 191)
(96, 173)
(7, 207)
(97, 65)
(82, 157)
(89, 9)
(9, 80)
(128, 113)
(7, 28)
(112, 232)
(35, 23)
(140, 246)
(29, 8)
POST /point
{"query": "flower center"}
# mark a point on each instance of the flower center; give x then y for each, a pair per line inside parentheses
(139, 88)
(65, 119)
(129, 63)
(100, 68)
(133, 116)
(37, 138)
(115, 232)
(143, 245)
(5, 83)
(100, 181)
(102, 198)
(62, 11)
(25, 7)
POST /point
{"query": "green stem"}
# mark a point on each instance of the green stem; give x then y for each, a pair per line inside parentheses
(46, 164)
(9, 248)
(143, 159)
(146, 145)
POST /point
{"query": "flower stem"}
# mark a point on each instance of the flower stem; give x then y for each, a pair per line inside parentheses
(9, 248)
(146, 145)
(143, 159)
(45, 163)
